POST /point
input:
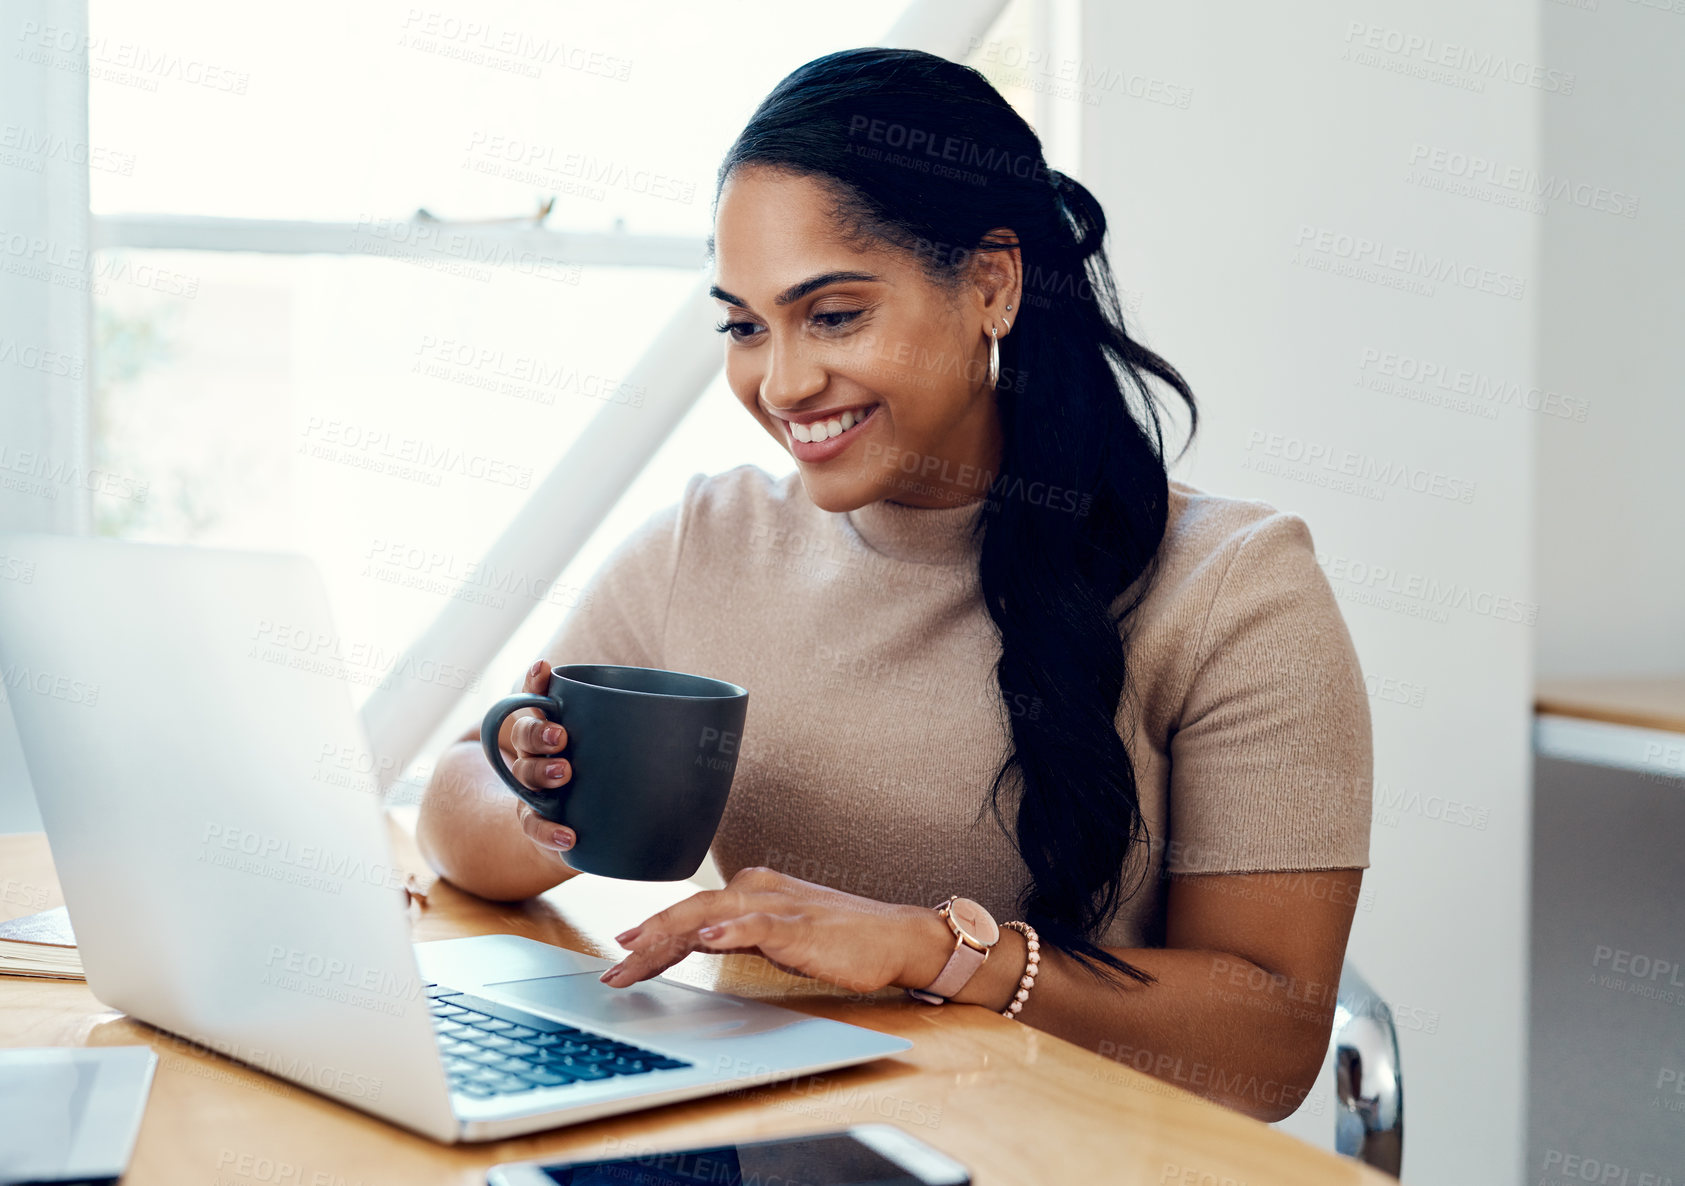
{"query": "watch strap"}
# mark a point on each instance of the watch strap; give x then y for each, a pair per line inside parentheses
(962, 965)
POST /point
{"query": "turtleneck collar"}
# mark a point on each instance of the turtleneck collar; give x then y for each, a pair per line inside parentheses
(924, 535)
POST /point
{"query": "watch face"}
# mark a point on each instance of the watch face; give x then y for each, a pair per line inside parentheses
(975, 922)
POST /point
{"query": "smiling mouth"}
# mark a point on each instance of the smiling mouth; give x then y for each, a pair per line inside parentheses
(835, 426)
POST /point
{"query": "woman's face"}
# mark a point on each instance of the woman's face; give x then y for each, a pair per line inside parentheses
(823, 334)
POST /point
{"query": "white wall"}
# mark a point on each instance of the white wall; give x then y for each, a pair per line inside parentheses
(1611, 488)
(1610, 506)
(1235, 147)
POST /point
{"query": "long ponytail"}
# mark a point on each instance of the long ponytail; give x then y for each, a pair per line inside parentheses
(1059, 577)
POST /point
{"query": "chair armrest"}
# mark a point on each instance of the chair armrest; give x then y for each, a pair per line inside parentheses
(1368, 1083)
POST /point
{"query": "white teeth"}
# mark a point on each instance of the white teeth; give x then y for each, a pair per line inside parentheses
(824, 430)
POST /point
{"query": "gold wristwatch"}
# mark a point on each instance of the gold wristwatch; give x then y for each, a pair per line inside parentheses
(975, 932)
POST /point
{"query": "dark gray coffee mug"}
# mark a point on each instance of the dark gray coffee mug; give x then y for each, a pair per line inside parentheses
(653, 753)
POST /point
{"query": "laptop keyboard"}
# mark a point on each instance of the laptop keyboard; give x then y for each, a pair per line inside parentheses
(494, 1050)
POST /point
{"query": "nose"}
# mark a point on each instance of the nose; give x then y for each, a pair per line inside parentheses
(791, 378)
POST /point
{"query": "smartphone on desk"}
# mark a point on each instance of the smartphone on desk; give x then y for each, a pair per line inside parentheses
(865, 1155)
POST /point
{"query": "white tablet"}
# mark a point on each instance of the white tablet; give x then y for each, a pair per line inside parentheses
(70, 1114)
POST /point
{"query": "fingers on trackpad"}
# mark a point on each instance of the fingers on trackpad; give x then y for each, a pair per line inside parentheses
(582, 995)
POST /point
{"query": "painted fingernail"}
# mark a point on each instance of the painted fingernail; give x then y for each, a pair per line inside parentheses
(533, 670)
(552, 735)
(711, 932)
(562, 838)
(626, 935)
(610, 974)
(556, 769)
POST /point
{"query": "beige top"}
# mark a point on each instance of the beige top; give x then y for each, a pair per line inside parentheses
(875, 725)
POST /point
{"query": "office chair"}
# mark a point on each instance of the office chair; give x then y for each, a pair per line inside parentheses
(1368, 1083)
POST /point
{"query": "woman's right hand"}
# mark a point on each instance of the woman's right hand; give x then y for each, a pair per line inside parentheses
(537, 742)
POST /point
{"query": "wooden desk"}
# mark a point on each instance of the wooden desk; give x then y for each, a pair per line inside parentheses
(1014, 1104)
(1656, 702)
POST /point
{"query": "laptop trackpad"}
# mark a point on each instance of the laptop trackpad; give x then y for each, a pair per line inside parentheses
(650, 1004)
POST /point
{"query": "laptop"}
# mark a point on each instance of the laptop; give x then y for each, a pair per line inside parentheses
(186, 716)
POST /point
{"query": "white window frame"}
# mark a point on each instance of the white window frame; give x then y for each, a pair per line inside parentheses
(565, 508)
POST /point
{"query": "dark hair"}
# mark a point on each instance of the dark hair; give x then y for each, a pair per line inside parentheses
(924, 154)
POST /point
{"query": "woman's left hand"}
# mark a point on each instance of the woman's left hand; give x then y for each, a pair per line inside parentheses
(810, 930)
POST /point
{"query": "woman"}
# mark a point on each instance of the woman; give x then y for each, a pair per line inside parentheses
(994, 652)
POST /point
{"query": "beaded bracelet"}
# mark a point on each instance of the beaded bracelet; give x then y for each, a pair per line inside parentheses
(1028, 980)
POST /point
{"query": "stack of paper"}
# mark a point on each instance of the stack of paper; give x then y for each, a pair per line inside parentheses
(40, 945)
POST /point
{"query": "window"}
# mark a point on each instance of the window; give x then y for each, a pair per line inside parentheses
(378, 391)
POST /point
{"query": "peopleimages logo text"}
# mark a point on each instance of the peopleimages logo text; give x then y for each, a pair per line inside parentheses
(1327, 243)
(1361, 466)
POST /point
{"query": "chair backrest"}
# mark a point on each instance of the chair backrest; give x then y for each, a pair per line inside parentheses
(1368, 1082)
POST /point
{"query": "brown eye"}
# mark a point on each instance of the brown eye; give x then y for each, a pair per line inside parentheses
(733, 328)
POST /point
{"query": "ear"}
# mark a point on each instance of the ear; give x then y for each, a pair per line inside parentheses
(997, 278)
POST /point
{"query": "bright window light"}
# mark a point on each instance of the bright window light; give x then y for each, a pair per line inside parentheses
(387, 417)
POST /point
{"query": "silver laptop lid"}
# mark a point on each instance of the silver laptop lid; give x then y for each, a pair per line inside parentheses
(186, 720)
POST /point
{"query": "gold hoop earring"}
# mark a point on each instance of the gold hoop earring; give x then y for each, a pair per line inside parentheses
(994, 357)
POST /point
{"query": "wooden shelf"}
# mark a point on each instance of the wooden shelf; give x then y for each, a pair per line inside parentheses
(1648, 702)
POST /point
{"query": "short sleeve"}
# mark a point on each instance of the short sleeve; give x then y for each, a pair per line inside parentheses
(621, 614)
(1271, 762)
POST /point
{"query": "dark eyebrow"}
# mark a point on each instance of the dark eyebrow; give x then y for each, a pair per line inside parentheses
(796, 291)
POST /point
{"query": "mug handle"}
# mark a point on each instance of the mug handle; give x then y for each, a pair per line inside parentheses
(551, 706)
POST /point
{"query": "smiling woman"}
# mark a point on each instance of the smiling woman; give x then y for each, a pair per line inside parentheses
(999, 660)
(890, 347)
